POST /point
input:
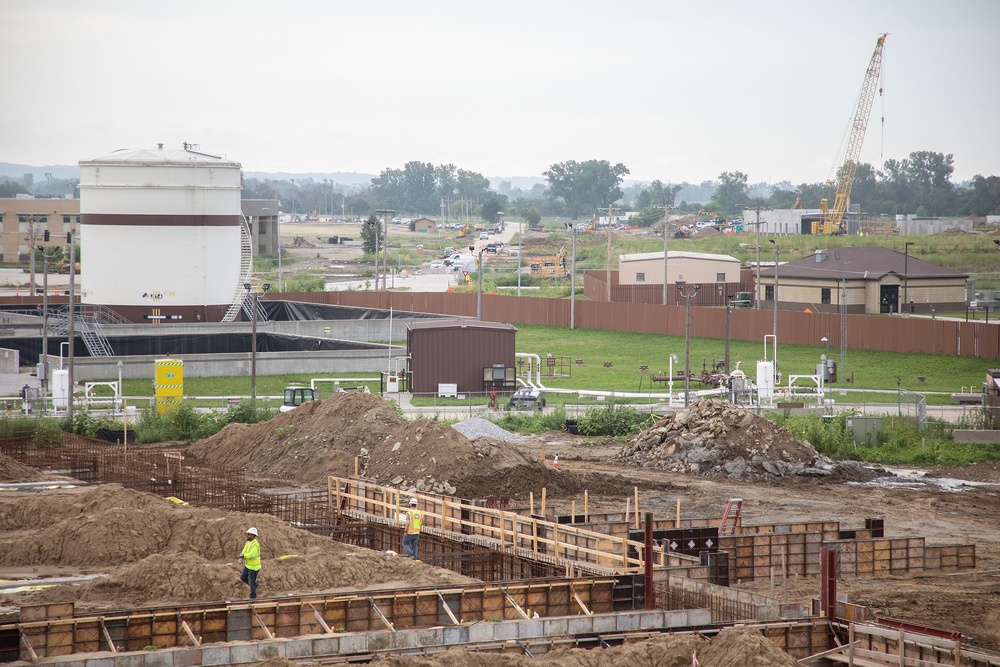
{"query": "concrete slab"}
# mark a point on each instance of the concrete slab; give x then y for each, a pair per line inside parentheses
(481, 632)
(456, 635)
(555, 626)
(650, 620)
(160, 659)
(296, 648)
(429, 636)
(215, 655)
(579, 625)
(506, 630)
(530, 629)
(626, 622)
(268, 650)
(101, 662)
(130, 660)
(380, 641)
(605, 623)
(187, 657)
(326, 646)
(243, 653)
(354, 643)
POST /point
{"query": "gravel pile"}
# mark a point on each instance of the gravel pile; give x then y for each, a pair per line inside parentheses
(478, 428)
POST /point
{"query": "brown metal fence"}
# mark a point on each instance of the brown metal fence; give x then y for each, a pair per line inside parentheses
(863, 332)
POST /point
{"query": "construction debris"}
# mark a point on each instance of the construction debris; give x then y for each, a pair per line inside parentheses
(716, 438)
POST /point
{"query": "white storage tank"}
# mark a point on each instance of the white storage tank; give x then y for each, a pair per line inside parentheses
(160, 234)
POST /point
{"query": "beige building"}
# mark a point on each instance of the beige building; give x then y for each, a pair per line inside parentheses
(864, 280)
(24, 221)
(424, 225)
(646, 268)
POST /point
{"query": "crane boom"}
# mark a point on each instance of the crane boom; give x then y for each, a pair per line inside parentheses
(845, 178)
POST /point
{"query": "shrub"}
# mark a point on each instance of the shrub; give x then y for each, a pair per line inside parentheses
(615, 420)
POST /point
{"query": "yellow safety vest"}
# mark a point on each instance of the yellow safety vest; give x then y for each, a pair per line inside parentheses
(414, 523)
(251, 555)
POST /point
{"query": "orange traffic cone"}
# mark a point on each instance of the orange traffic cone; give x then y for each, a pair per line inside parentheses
(555, 462)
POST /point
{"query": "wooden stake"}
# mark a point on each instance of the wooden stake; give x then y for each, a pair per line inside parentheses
(628, 510)
(531, 501)
(356, 466)
(586, 506)
(677, 521)
(543, 502)
(635, 490)
(572, 511)
(503, 536)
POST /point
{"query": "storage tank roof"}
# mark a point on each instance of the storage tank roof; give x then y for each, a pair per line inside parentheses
(161, 156)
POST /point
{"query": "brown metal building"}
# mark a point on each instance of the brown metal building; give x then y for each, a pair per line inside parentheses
(472, 355)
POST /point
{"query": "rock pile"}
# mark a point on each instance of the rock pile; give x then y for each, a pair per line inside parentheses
(713, 438)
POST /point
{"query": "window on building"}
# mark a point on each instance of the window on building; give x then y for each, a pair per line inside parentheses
(824, 295)
(263, 230)
(769, 293)
(720, 277)
(640, 277)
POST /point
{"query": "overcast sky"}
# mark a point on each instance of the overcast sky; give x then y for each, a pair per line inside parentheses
(674, 90)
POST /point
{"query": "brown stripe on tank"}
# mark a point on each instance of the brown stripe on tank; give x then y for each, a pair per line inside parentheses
(159, 220)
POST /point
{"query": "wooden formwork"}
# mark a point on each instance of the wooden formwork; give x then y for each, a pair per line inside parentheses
(532, 536)
(53, 630)
(879, 645)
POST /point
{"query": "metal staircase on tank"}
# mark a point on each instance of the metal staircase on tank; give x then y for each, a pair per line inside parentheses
(246, 273)
(87, 323)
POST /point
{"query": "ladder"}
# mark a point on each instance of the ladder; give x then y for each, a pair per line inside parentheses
(731, 517)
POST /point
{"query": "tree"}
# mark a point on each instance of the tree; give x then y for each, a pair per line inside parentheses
(732, 191)
(532, 216)
(388, 189)
(491, 210)
(371, 234)
(984, 197)
(586, 185)
(419, 187)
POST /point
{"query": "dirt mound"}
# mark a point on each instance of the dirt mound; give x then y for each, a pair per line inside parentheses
(713, 437)
(733, 647)
(322, 438)
(172, 553)
(12, 471)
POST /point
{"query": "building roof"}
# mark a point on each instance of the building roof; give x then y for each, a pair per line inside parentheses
(642, 256)
(161, 156)
(869, 263)
(458, 324)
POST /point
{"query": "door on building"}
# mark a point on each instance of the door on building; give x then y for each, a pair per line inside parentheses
(889, 299)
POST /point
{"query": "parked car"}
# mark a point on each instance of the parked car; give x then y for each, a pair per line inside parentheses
(484, 236)
(437, 264)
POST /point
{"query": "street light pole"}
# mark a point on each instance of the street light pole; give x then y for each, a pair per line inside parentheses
(72, 321)
(729, 314)
(687, 339)
(666, 278)
(520, 245)
(906, 275)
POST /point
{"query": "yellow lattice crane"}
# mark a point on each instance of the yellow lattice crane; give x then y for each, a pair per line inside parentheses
(832, 218)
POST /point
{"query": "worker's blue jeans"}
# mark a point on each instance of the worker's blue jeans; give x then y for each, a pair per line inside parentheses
(410, 545)
(249, 577)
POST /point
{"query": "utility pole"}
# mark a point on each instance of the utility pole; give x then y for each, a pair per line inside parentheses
(756, 288)
(72, 321)
(385, 213)
(32, 238)
(687, 339)
(609, 255)
(666, 278)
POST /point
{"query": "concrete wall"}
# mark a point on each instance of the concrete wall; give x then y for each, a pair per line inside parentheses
(318, 363)
(978, 437)
(9, 361)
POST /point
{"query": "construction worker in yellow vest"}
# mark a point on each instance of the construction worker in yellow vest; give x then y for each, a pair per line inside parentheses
(251, 562)
(413, 519)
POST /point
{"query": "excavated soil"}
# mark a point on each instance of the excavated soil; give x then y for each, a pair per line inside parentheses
(713, 437)
(322, 438)
(159, 552)
(12, 471)
(733, 647)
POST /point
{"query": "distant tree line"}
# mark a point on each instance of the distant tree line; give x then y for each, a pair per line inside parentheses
(919, 184)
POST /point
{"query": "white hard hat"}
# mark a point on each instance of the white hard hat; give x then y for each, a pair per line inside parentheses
(251, 531)
(413, 501)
